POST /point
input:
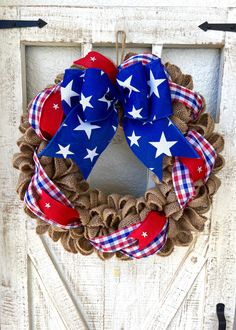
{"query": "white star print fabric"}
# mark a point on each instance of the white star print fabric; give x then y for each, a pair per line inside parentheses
(147, 104)
(88, 100)
(91, 121)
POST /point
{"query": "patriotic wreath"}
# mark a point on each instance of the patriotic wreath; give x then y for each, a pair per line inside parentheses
(70, 123)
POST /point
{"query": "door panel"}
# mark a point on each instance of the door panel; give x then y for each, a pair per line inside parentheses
(44, 287)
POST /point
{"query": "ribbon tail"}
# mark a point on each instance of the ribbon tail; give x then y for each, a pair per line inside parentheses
(152, 141)
(73, 139)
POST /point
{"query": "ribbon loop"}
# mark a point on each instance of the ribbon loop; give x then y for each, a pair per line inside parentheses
(159, 91)
(132, 84)
(70, 89)
(97, 96)
(88, 98)
(145, 91)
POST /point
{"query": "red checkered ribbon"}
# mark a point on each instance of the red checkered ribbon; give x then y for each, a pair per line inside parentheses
(44, 187)
(36, 106)
(188, 97)
(145, 58)
(122, 240)
(184, 170)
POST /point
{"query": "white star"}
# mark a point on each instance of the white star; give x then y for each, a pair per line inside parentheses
(91, 154)
(64, 125)
(134, 139)
(199, 169)
(67, 93)
(103, 99)
(64, 151)
(85, 101)
(170, 122)
(144, 234)
(154, 83)
(148, 122)
(114, 127)
(87, 127)
(127, 84)
(135, 113)
(47, 205)
(93, 58)
(55, 106)
(163, 146)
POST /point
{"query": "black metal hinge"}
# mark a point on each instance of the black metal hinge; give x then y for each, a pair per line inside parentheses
(220, 311)
(218, 27)
(9, 24)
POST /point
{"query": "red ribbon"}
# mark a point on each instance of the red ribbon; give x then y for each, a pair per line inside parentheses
(56, 211)
(98, 61)
(52, 115)
(197, 167)
(149, 229)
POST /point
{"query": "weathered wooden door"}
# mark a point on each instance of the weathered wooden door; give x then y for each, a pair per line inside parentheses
(44, 287)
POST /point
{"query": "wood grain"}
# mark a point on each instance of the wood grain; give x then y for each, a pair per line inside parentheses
(113, 294)
(13, 256)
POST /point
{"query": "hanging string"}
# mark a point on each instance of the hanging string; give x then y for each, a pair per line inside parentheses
(123, 44)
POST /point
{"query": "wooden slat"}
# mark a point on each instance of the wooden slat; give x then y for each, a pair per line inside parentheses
(125, 3)
(160, 316)
(71, 313)
(149, 26)
(13, 259)
(221, 268)
(42, 313)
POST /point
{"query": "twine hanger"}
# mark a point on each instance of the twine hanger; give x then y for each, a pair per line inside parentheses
(123, 45)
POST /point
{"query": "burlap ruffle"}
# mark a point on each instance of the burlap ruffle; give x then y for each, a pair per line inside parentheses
(102, 214)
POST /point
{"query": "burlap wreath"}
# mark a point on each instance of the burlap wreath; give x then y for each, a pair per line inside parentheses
(102, 214)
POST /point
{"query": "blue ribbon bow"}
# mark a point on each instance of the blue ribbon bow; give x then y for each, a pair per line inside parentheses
(88, 100)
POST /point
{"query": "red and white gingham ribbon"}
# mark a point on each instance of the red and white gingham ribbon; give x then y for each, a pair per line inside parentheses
(40, 181)
(36, 106)
(120, 241)
(181, 176)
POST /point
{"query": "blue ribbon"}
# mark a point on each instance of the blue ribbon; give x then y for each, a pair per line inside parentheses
(88, 100)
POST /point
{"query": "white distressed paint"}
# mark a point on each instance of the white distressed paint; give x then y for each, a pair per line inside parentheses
(13, 256)
(116, 3)
(113, 294)
(204, 66)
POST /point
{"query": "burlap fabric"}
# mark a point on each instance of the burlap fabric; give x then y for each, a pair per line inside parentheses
(102, 214)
